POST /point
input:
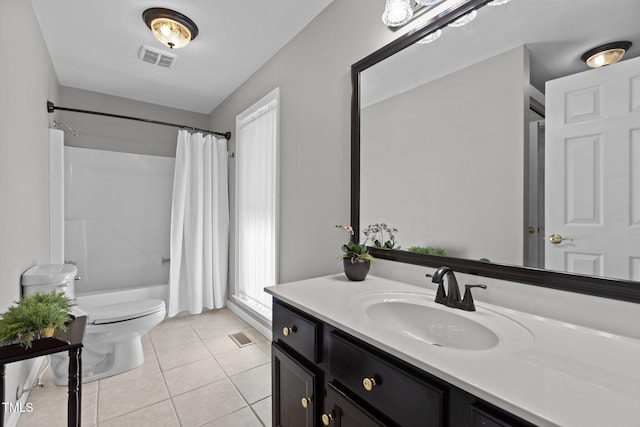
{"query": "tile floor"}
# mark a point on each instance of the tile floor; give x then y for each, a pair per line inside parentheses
(193, 375)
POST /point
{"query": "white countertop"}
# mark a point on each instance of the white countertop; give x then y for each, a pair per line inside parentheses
(560, 375)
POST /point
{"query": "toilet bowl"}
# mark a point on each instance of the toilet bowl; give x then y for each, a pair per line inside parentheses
(112, 340)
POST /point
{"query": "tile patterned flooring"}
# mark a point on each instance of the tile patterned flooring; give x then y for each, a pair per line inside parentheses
(193, 375)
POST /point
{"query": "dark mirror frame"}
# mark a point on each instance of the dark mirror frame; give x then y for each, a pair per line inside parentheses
(624, 290)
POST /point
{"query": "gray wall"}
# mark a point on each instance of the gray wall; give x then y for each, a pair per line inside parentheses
(313, 73)
(27, 80)
(125, 136)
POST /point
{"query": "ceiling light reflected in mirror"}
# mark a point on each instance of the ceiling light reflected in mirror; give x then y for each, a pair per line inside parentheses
(428, 3)
(431, 37)
(607, 54)
(465, 19)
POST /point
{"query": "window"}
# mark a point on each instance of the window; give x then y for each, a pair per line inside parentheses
(257, 133)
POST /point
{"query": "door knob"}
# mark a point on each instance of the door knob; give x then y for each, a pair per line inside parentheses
(556, 238)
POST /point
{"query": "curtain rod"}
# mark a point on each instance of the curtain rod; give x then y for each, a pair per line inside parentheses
(51, 108)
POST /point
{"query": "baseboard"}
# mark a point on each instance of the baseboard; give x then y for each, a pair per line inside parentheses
(242, 313)
(14, 416)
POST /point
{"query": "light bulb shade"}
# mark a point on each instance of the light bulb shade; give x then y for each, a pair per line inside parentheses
(171, 28)
(464, 19)
(607, 54)
(428, 3)
(431, 37)
(397, 13)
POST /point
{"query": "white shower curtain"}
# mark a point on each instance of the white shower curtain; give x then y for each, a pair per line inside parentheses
(199, 225)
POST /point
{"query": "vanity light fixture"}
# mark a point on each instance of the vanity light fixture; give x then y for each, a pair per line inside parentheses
(397, 12)
(428, 3)
(498, 2)
(606, 54)
(464, 19)
(171, 28)
(431, 37)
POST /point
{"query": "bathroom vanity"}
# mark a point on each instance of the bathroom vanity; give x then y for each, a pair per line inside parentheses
(381, 352)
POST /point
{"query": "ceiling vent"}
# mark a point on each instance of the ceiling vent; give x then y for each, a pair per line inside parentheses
(156, 56)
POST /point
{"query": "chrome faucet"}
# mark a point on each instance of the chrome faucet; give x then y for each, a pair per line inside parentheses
(451, 298)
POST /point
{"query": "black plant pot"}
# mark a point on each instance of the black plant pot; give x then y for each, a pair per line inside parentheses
(356, 270)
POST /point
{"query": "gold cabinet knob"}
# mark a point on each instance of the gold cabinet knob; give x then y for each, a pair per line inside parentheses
(305, 401)
(369, 383)
(327, 419)
(288, 330)
(556, 238)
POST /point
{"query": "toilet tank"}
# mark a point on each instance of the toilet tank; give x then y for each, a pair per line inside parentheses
(47, 277)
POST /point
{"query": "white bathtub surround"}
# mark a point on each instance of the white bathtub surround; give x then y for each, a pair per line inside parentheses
(117, 218)
(549, 372)
(56, 196)
(199, 225)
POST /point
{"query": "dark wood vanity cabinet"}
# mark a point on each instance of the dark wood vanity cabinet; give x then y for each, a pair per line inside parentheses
(341, 411)
(324, 376)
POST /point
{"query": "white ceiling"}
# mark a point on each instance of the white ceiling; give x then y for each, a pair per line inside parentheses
(94, 46)
(556, 32)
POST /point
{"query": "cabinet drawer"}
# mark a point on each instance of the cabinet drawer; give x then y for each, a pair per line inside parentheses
(405, 399)
(340, 411)
(296, 331)
(483, 418)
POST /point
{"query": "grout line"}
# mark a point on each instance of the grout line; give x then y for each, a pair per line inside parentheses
(254, 411)
(173, 406)
(99, 385)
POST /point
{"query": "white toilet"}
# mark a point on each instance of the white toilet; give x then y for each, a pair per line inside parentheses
(112, 342)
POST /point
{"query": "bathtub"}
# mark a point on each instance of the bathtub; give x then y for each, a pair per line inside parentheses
(88, 299)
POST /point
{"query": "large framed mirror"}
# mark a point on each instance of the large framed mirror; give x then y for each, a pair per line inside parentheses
(454, 135)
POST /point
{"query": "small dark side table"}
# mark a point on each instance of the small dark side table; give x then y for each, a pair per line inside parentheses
(70, 341)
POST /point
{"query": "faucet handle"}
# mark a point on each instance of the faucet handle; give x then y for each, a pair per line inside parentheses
(467, 301)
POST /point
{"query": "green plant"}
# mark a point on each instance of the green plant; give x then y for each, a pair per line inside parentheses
(375, 233)
(36, 314)
(426, 250)
(352, 250)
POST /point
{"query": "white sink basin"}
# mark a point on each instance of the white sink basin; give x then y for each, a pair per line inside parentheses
(416, 317)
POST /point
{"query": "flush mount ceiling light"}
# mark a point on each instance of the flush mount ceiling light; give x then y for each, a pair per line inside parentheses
(171, 28)
(606, 54)
(397, 13)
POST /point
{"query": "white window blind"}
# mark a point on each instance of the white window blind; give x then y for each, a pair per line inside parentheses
(257, 203)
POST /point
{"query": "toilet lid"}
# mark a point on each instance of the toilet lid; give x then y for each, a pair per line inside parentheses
(120, 312)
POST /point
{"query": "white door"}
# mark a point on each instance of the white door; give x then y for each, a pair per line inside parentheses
(593, 172)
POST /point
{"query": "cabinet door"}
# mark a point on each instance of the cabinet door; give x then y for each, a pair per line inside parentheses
(340, 411)
(294, 391)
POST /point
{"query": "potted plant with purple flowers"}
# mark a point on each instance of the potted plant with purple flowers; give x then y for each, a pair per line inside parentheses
(356, 259)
